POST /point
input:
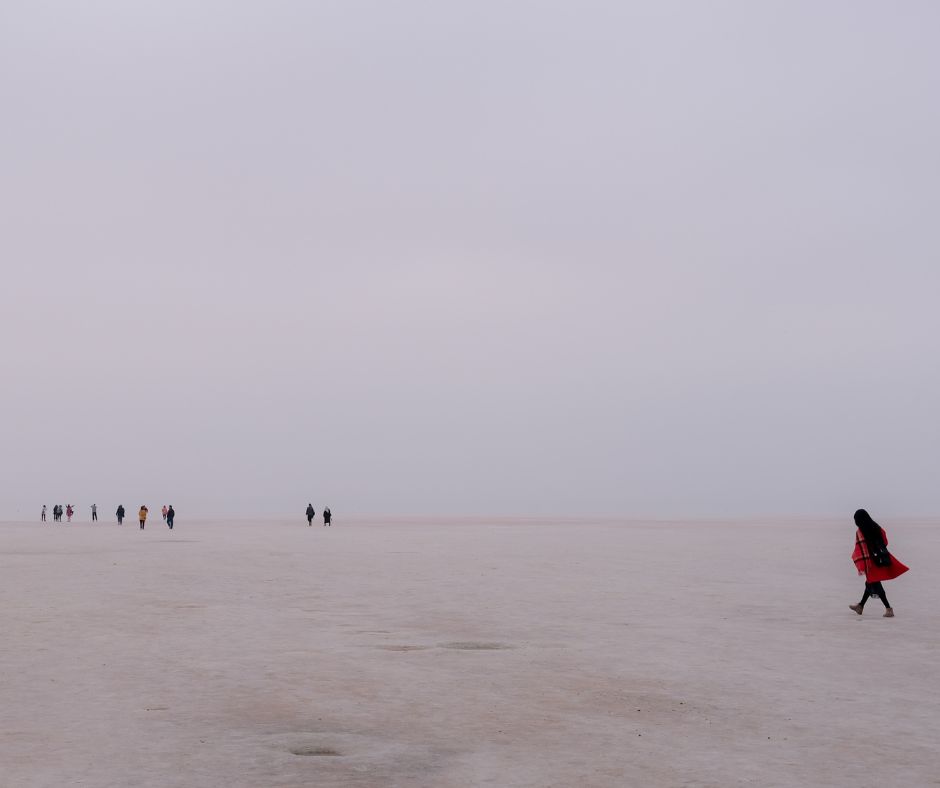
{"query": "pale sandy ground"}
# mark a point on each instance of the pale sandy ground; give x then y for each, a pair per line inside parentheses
(668, 654)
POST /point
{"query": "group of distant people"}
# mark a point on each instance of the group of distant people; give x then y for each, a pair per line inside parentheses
(168, 512)
(68, 511)
(327, 515)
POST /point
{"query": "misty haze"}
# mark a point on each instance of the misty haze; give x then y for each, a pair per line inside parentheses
(515, 258)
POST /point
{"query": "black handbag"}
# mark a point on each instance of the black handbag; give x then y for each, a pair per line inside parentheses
(880, 556)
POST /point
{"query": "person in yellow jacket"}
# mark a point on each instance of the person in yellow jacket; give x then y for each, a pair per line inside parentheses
(143, 516)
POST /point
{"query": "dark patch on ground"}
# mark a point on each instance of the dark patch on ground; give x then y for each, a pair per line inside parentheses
(325, 751)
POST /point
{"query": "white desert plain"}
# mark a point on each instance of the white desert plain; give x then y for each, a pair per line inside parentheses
(447, 654)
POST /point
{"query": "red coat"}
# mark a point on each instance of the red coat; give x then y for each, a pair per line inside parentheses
(865, 566)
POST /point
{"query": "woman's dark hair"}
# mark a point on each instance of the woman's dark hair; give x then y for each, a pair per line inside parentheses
(869, 528)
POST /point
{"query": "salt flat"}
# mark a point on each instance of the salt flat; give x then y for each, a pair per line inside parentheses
(256, 654)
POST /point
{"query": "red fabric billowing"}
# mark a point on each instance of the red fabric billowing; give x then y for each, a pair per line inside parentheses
(863, 562)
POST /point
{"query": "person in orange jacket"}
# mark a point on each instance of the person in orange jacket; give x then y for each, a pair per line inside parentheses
(143, 516)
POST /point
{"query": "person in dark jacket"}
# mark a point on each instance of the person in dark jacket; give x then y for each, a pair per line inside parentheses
(170, 514)
(872, 559)
(310, 514)
(327, 516)
(120, 513)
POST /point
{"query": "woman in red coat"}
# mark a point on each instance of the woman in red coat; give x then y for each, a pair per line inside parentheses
(873, 560)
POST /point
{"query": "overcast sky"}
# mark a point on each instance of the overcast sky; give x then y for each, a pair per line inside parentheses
(470, 257)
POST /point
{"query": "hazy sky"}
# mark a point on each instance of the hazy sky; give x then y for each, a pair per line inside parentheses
(470, 257)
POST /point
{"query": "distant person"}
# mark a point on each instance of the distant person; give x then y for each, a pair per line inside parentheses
(327, 516)
(57, 513)
(142, 514)
(44, 513)
(310, 514)
(163, 511)
(69, 511)
(120, 513)
(94, 513)
(170, 514)
(873, 560)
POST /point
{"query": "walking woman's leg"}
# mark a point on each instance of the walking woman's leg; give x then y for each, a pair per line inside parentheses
(860, 607)
(879, 590)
